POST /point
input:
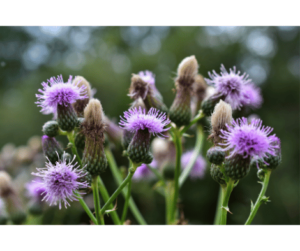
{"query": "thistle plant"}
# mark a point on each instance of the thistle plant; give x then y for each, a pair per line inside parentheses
(153, 138)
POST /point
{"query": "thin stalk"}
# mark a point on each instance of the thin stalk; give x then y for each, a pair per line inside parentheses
(70, 136)
(126, 202)
(120, 188)
(105, 196)
(118, 179)
(86, 208)
(261, 198)
(169, 193)
(99, 215)
(219, 208)
(226, 192)
(198, 145)
(178, 146)
(199, 116)
(157, 174)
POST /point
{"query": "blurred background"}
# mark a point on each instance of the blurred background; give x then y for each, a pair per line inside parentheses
(107, 56)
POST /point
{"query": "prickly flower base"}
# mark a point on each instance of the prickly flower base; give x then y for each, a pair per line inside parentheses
(237, 167)
(127, 137)
(180, 111)
(94, 157)
(66, 117)
(51, 128)
(273, 161)
(208, 105)
(216, 174)
(215, 155)
(51, 149)
(138, 149)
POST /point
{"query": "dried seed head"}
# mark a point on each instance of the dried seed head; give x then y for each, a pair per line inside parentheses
(138, 87)
(5, 184)
(93, 116)
(187, 71)
(80, 104)
(221, 116)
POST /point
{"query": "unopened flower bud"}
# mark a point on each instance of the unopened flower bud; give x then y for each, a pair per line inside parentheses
(180, 111)
(216, 174)
(5, 184)
(51, 128)
(221, 117)
(215, 155)
(237, 167)
(208, 105)
(93, 128)
(80, 104)
(51, 148)
(274, 160)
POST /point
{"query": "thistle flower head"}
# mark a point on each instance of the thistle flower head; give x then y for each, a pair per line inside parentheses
(251, 96)
(56, 92)
(60, 181)
(143, 172)
(229, 85)
(35, 189)
(199, 167)
(249, 140)
(137, 119)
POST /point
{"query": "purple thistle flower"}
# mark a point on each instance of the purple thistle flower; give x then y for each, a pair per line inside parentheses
(229, 85)
(252, 96)
(60, 181)
(35, 189)
(137, 119)
(55, 92)
(198, 170)
(143, 172)
(249, 140)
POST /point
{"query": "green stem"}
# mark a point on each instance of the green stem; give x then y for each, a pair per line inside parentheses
(219, 208)
(199, 116)
(169, 193)
(70, 136)
(105, 196)
(157, 174)
(226, 192)
(261, 198)
(97, 205)
(178, 146)
(126, 202)
(120, 188)
(198, 145)
(86, 208)
(118, 179)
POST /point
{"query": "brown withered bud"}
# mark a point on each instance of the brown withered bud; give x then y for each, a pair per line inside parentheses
(221, 117)
(93, 128)
(180, 111)
(80, 104)
(138, 87)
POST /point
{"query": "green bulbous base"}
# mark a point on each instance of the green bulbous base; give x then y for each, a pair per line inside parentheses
(273, 161)
(237, 167)
(215, 155)
(50, 128)
(66, 117)
(138, 149)
(208, 106)
(216, 174)
(18, 217)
